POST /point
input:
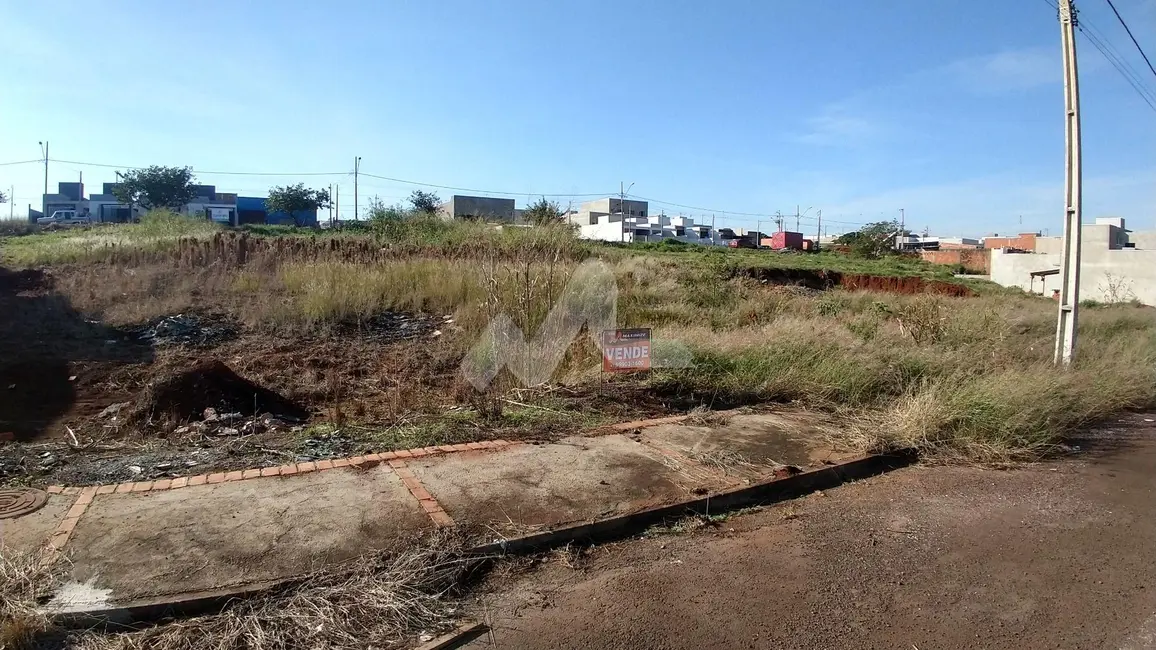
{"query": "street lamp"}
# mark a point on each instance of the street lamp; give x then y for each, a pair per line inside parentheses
(44, 199)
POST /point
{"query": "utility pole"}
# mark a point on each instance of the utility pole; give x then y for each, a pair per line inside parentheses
(819, 231)
(1073, 200)
(758, 234)
(44, 199)
(337, 201)
(796, 218)
(11, 200)
(779, 220)
(712, 232)
(356, 168)
(331, 205)
(902, 219)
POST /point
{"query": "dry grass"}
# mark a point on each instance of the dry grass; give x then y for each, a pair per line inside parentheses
(25, 577)
(378, 601)
(969, 377)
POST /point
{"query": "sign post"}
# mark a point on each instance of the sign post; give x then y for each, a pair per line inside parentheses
(625, 350)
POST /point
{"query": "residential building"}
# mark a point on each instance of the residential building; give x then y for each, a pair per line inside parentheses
(251, 209)
(484, 208)
(933, 243)
(1115, 264)
(615, 220)
(104, 207)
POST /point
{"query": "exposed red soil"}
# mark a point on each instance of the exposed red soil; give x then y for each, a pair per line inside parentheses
(824, 280)
(908, 285)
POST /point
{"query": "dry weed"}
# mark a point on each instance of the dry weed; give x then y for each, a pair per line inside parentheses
(25, 577)
(374, 602)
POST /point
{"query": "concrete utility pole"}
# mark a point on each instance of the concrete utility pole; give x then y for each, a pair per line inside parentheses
(1073, 200)
(796, 218)
(337, 202)
(902, 219)
(779, 220)
(331, 205)
(819, 231)
(356, 168)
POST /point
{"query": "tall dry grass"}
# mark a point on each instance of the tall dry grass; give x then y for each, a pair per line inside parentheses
(25, 577)
(944, 374)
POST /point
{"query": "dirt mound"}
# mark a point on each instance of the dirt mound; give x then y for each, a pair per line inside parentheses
(211, 384)
(13, 282)
(823, 280)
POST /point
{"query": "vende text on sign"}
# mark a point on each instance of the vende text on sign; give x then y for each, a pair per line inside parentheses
(625, 350)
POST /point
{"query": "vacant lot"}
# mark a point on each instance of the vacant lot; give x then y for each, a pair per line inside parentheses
(118, 339)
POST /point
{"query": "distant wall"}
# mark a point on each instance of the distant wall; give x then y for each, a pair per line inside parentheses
(971, 259)
(1025, 241)
(1106, 275)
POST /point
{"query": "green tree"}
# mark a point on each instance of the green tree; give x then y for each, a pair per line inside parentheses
(295, 200)
(422, 201)
(3, 197)
(874, 239)
(157, 187)
(543, 212)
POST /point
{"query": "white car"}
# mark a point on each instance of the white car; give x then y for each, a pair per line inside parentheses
(63, 218)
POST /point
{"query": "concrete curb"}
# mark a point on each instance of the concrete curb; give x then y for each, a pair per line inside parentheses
(456, 639)
(605, 530)
(767, 492)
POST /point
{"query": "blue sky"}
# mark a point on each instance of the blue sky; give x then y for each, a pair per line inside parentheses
(949, 109)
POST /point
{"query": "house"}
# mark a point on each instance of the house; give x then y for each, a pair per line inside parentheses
(484, 208)
(616, 220)
(251, 209)
(1116, 264)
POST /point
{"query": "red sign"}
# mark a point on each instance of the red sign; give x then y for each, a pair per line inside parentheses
(626, 350)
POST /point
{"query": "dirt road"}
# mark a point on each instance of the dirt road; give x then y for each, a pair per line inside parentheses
(1057, 555)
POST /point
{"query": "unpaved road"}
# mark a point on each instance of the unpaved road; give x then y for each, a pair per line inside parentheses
(1057, 555)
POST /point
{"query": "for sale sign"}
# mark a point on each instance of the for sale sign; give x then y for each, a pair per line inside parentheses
(626, 350)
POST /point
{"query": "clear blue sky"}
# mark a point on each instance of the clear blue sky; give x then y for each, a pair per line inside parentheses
(951, 109)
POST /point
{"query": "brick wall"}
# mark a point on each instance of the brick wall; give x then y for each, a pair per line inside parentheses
(1025, 241)
(972, 260)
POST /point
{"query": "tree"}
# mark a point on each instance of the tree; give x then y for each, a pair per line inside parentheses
(422, 201)
(156, 187)
(294, 200)
(874, 239)
(3, 197)
(543, 212)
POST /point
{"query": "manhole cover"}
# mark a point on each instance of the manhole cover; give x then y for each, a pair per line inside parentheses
(20, 501)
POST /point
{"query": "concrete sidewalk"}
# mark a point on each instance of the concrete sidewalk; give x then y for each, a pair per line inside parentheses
(138, 542)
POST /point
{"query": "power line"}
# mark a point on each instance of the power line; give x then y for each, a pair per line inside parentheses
(1138, 48)
(22, 162)
(469, 189)
(1104, 46)
(216, 173)
(1148, 96)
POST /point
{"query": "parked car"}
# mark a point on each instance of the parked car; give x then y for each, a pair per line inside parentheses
(64, 218)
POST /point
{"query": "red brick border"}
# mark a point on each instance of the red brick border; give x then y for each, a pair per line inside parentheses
(365, 461)
(64, 530)
(428, 503)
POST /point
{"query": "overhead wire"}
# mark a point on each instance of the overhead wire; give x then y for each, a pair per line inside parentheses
(1117, 60)
(761, 216)
(1138, 48)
